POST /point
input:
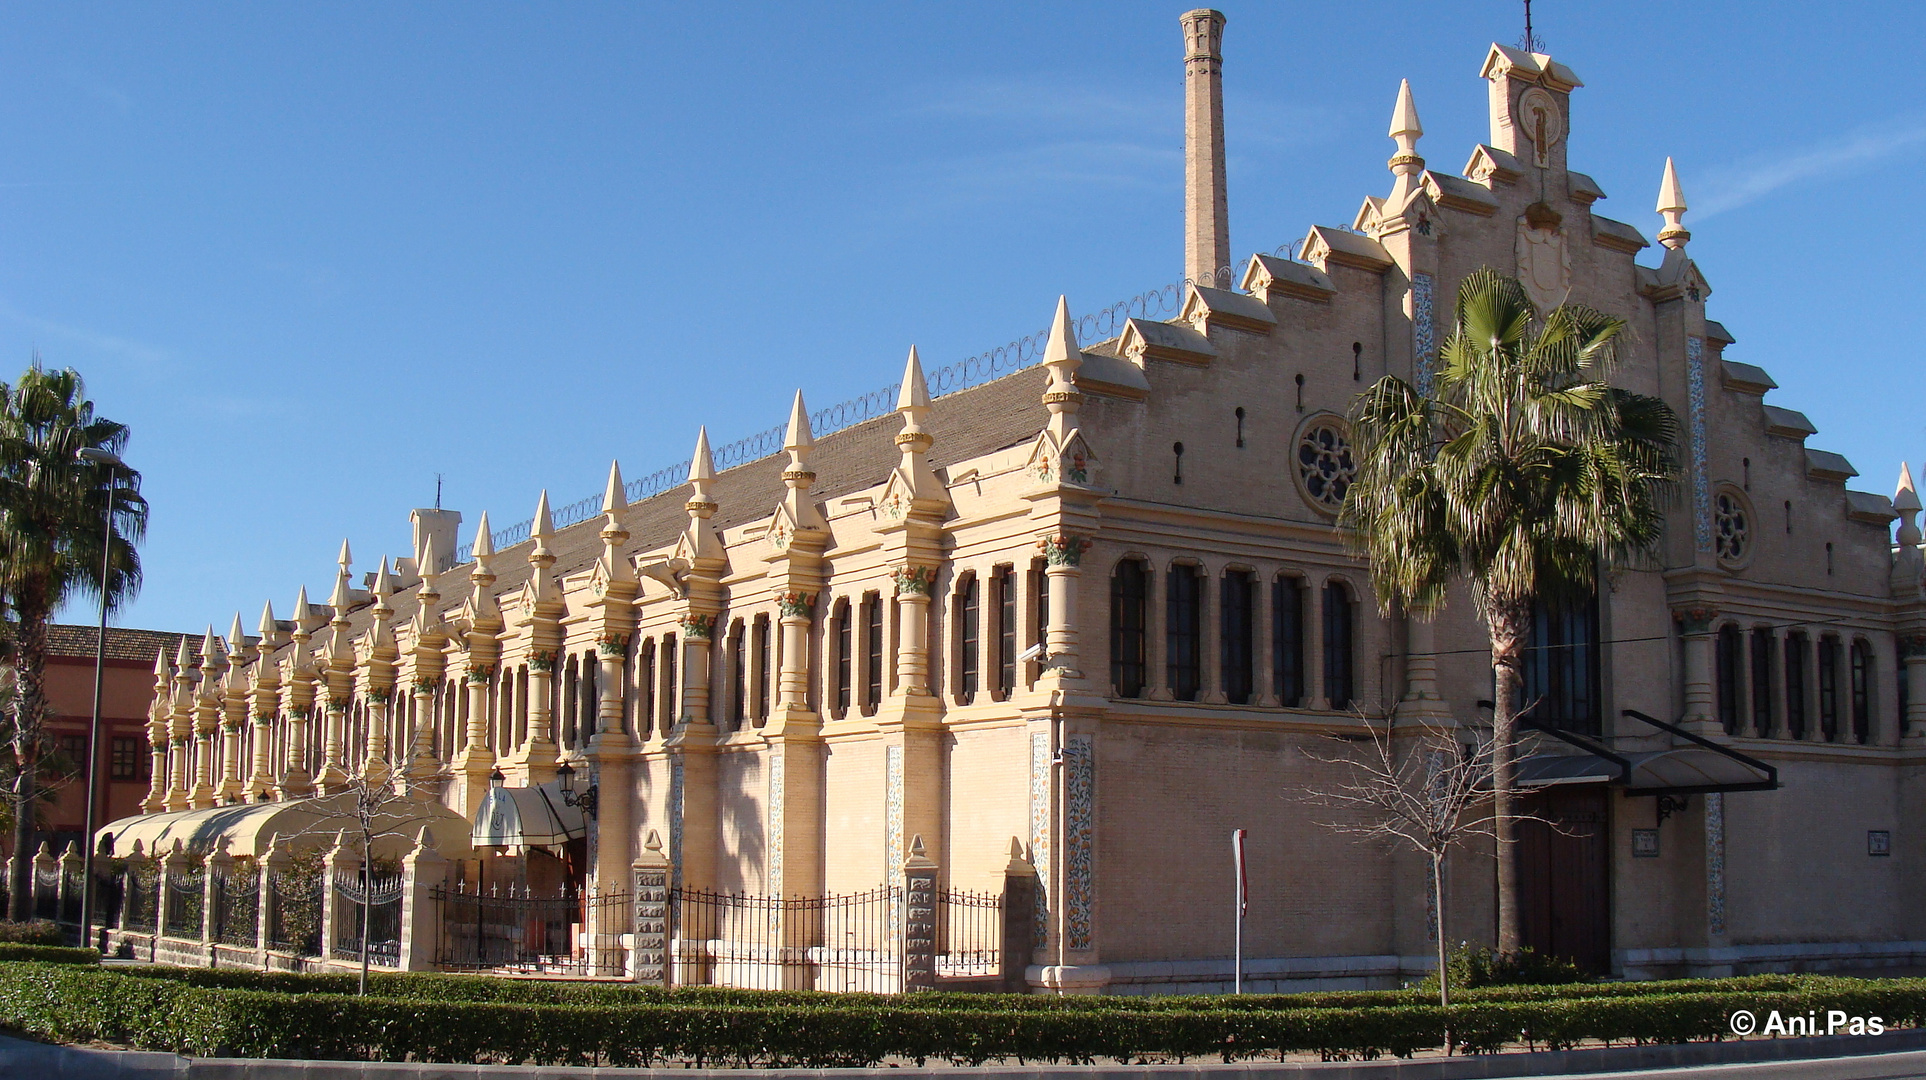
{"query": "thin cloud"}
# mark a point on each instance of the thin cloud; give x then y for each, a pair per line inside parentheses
(1738, 186)
(111, 344)
(1061, 166)
(1030, 102)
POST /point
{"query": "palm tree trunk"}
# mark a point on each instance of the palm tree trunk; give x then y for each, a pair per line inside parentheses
(1509, 624)
(29, 711)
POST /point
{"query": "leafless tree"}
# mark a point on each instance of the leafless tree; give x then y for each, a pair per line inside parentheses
(1429, 790)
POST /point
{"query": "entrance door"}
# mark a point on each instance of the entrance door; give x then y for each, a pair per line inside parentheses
(1564, 904)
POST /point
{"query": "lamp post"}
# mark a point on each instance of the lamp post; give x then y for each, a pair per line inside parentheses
(586, 800)
(114, 465)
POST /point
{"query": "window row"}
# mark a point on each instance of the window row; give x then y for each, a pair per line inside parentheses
(1827, 688)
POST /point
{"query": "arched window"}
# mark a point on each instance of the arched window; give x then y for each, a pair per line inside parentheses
(1128, 589)
(1862, 674)
(1340, 683)
(1237, 626)
(645, 682)
(1561, 665)
(761, 645)
(872, 651)
(969, 617)
(1287, 641)
(1795, 675)
(571, 691)
(505, 714)
(1829, 689)
(1762, 682)
(1006, 631)
(668, 683)
(521, 704)
(591, 705)
(1183, 631)
(738, 677)
(1728, 656)
(845, 659)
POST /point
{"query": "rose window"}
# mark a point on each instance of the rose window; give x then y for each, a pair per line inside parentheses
(1732, 528)
(1324, 463)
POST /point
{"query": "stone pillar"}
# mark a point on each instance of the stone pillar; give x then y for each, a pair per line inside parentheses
(174, 862)
(339, 916)
(230, 790)
(919, 920)
(333, 776)
(205, 726)
(276, 861)
(295, 780)
(423, 870)
(156, 799)
(375, 767)
(45, 865)
(1210, 626)
(1695, 626)
(261, 782)
(612, 752)
(1063, 558)
(476, 761)
(1156, 636)
(71, 864)
(649, 954)
(1777, 691)
(541, 754)
(1019, 919)
(1206, 200)
(913, 587)
(135, 862)
(424, 770)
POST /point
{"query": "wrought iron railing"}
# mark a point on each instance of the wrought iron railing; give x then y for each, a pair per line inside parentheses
(185, 896)
(237, 907)
(380, 894)
(294, 900)
(848, 943)
(512, 929)
(142, 903)
(969, 934)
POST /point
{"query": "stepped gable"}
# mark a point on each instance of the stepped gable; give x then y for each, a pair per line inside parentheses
(967, 424)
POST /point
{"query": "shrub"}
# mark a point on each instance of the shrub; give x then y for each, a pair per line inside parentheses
(47, 954)
(37, 932)
(1473, 969)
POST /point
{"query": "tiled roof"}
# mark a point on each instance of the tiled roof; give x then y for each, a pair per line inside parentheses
(122, 644)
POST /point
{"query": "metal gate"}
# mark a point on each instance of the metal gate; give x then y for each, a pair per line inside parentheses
(842, 943)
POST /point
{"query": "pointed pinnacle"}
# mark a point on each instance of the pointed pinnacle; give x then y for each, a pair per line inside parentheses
(160, 663)
(303, 611)
(430, 558)
(347, 557)
(544, 524)
(268, 626)
(1907, 496)
(799, 434)
(183, 659)
(614, 497)
(1404, 118)
(236, 637)
(1671, 197)
(484, 546)
(1062, 346)
(343, 597)
(384, 585)
(210, 645)
(916, 392)
(702, 464)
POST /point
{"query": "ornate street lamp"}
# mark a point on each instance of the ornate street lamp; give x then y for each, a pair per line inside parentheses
(586, 800)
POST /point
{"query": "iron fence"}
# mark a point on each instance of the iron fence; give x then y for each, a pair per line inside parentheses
(294, 911)
(969, 934)
(380, 894)
(511, 929)
(142, 900)
(237, 907)
(46, 893)
(184, 900)
(845, 943)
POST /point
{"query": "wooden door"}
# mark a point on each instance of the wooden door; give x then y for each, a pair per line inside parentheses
(1565, 891)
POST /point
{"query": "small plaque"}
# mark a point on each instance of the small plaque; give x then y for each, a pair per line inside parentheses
(1879, 842)
(1645, 843)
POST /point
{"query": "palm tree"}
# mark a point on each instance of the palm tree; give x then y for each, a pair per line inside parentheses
(54, 531)
(1524, 473)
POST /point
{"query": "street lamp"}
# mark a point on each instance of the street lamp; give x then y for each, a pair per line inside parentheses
(114, 465)
(587, 800)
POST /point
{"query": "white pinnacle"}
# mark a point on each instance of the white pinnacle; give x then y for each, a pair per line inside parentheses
(702, 464)
(1404, 118)
(798, 436)
(614, 497)
(915, 393)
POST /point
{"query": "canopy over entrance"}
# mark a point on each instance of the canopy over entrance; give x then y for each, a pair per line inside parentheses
(303, 824)
(1704, 766)
(518, 818)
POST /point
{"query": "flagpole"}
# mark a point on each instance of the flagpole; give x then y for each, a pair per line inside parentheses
(1237, 858)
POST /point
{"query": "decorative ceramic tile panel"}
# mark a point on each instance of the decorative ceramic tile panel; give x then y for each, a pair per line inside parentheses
(892, 812)
(1715, 862)
(1040, 829)
(777, 767)
(1079, 841)
(1701, 488)
(675, 821)
(1423, 334)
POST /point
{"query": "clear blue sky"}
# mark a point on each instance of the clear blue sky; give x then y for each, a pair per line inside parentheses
(315, 254)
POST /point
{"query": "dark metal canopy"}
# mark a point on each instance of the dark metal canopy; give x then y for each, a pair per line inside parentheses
(1703, 767)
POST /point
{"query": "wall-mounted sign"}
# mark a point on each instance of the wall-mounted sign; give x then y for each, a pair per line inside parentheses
(1879, 842)
(1645, 843)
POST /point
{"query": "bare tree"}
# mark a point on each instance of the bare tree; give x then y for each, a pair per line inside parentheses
(1430, 791)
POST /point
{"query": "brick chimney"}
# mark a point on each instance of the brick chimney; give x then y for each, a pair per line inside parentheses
(1206, 206)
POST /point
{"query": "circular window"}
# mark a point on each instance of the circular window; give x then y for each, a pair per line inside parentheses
(1731, 528)
(1325, 467)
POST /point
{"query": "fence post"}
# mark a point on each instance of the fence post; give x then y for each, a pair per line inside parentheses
(919, 919)
(171, 864)
(214, 895)
(130, 888)
(274, 862)
(1019, 919)
(649, 957)
(45, 866)
(423, 870)
(335, 914)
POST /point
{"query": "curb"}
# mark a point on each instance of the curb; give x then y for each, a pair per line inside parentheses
(19, 1057)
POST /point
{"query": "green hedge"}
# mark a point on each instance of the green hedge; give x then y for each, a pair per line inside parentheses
(36, 932)
(69, 1003)
(47, 954)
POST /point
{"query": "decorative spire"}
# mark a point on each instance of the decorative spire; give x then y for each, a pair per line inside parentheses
(1906, 502)
(918, 482)
(1062, 356)
(798, 442)
(702, 537)
(1406, 165)
(614, 536)
(183, 661)
(269, 627)
(430, 568)
(702, 464)
(913, 400)
(614, 498)
(211, 656)
(483, 575)
(1672, 205)
(343, 597)
(798, 437)
(303, 615)
(543, 526)
(384, 590)
(484, 546)
(236, 638)
(162, 672)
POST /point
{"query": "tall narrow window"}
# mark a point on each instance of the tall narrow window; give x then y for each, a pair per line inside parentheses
(1561, 665)
(1762, 682)
(762, 668)
(1730, 707)
(738, 676)
(1006, 631)
(1340, 684)
(845, 656)
(668, 683)
(1238, 610)
(591, 699)
(645, 682)
(1795, 672)
(1182, 631)
(571, 690)
(969, 620)
(1862, 672)
(873, 650)
(1287, 641)
(1043, 604)
(1829, 689)
(1127, 611)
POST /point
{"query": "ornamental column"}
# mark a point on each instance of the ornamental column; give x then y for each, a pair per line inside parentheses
(378, 678)
(612, 750)
(690, 744)
(208, 705)
(157, 738)
(266, 700)
(296, 781)
(339, 661)
(543, 609)
(793, 732)
(1695, 626)
(234, 723)
(483, 616)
